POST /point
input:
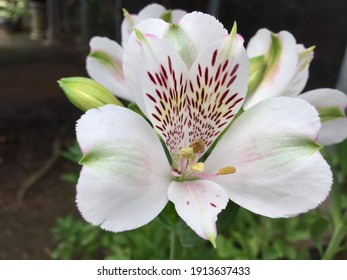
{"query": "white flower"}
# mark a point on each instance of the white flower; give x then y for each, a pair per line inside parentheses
(104, 62)
(267, 161)
(279, 67)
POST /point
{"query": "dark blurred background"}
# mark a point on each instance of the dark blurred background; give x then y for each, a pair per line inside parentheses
(43, 41)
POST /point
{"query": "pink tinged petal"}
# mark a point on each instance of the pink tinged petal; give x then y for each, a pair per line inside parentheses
(132, 57)
(198, 203)
(104, 65)
(281, 68)
(124, 181)
(334, 127)
(217, 88)
(279, 171)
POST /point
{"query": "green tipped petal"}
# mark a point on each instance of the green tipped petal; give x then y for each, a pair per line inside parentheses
(86, 94)
(256, 72)
(305, 57)
(182, 43)
(105, 59)
(274, 54)
(330, 113)
(139, 35)
(167, 16)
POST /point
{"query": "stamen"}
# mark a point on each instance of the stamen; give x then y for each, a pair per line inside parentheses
(186, 152)
(198, 146)
(198, 167)
(227, 170)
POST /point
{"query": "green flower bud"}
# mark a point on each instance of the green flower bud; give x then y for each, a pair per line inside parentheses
(86, 94)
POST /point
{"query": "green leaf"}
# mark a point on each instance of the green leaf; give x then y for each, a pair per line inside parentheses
(317, 231)
(71, 177)
(187, 236)
(227, 216)
(73, 154)
(169, 215)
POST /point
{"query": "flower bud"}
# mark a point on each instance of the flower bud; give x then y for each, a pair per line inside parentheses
(86, 94)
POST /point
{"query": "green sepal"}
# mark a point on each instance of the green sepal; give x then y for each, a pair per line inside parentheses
(330, 113)
(87, 94)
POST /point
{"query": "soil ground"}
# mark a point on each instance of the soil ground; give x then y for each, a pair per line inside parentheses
(33, 110)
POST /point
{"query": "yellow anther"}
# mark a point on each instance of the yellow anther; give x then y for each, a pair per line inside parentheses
(227, 170)
(198, 146)
(198, 167)
(186, 152)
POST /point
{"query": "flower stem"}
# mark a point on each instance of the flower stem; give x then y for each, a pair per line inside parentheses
(334, 244)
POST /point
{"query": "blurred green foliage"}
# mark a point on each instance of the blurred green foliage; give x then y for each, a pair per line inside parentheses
(318, 234)
(12, 10)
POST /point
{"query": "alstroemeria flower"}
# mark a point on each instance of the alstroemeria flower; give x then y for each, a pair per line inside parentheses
(280, 67)
(267, 161)
(105, 60)
(150, 11)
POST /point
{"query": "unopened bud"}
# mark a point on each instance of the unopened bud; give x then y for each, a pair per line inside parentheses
(86, 94)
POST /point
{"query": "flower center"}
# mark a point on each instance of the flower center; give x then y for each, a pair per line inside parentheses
(188, 167)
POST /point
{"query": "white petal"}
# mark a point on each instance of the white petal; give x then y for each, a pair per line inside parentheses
(177, 15)
(334, 130)
(325, 97)
(279, 172)
(104, 65)
(132, 57)
(203, 30)
(298, 83)
(198, 203)
(131, 20)
(277, 79)
(153, 10)
(259, 44)
(125, 176)
(217, 88)
(127, 27)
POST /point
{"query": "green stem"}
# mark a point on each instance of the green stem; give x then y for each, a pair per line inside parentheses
(336, 239)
